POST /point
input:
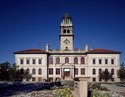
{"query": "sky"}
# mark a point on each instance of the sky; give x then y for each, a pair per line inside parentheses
(27, 24)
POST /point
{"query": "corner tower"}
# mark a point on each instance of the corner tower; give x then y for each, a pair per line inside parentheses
(66, 33)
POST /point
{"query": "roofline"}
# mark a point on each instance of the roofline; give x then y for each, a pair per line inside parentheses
(31, 53)
(68, 53)
(103, 52)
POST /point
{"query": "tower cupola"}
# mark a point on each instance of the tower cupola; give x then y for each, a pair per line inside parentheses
(66, 20)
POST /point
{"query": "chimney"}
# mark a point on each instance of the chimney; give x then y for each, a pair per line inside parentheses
(47, 47)
(86, 47)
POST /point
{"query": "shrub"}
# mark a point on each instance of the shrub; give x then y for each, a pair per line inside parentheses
(62, 93)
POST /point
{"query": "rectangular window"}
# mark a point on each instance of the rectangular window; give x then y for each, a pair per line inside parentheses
(50, 71)
(40, 61)
(27, 79)
(112, 61)
(21, 61)
(94, 79)
(100, 61)
(106, 61)
(57, 71)
(76, 71)
(39, 79)
(82, 71)
(100, 79)
(33, 79)
(34, 61)
(27, 61)
(93, 61)
(112, 79)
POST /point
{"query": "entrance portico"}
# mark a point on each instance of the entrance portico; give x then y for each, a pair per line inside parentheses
(67, 71)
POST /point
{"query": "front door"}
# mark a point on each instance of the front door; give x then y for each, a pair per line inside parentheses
(66, 73)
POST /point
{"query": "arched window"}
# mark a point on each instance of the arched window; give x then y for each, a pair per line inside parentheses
(64, 31)
(27, 70)
(33, 71)
(50, 60)
(106, 70)
(66, 60)
(68, 31)
(22, 70)
(57, 60)
(112, 71)
(75, 60)
(82, 60)
(94, 71)
(40, 71)
(100, 70)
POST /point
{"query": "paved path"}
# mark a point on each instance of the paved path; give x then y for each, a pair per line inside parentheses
(114, 87)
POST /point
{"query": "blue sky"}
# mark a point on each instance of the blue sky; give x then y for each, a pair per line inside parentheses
(28, 24)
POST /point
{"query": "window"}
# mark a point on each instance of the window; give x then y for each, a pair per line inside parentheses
(93, 61)
(82, 60)
(27, 79)
(34, 61)
(106, 61)
(27, 70)
(113, 79)
(100, 79)
(40, 71)
(39, 79)
(82, 71)
(33, 79)
(40, 61)
(66, 60)
(112, 61)
(27, 61)
(93, 71)
(57, 60)
(106, 70)
(94, 79)
(50, 71)
(21, 61)
(50, 60)
(57, 71)
(33, 71)
(112, 71)
(76, 71)
(68, 31)
(22, 70)
(75, 60)
(100, 61)
(100, 70)
(64, 31)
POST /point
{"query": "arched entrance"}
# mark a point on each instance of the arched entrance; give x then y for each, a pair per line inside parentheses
(67, 71)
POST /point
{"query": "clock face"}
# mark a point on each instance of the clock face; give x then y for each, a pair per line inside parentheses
(66, 41)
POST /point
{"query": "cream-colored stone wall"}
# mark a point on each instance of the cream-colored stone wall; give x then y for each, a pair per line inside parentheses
(69, 45)
(88, 66)
(30, 66)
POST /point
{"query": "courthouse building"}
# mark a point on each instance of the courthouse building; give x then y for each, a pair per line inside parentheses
(67, 63)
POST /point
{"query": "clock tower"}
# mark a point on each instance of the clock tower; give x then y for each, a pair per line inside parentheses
(66, 33)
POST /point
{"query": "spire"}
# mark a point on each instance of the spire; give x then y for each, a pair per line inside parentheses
(66, 20)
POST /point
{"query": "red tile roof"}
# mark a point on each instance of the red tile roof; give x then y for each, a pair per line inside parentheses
(30, 51)
(103, 51)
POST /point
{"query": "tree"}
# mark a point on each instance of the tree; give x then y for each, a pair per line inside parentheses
(4, 71)
(105, 75)
(21, 74)
(121, 72)
(12, 72)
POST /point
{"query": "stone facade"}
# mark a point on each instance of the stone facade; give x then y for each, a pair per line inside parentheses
(68, 63)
